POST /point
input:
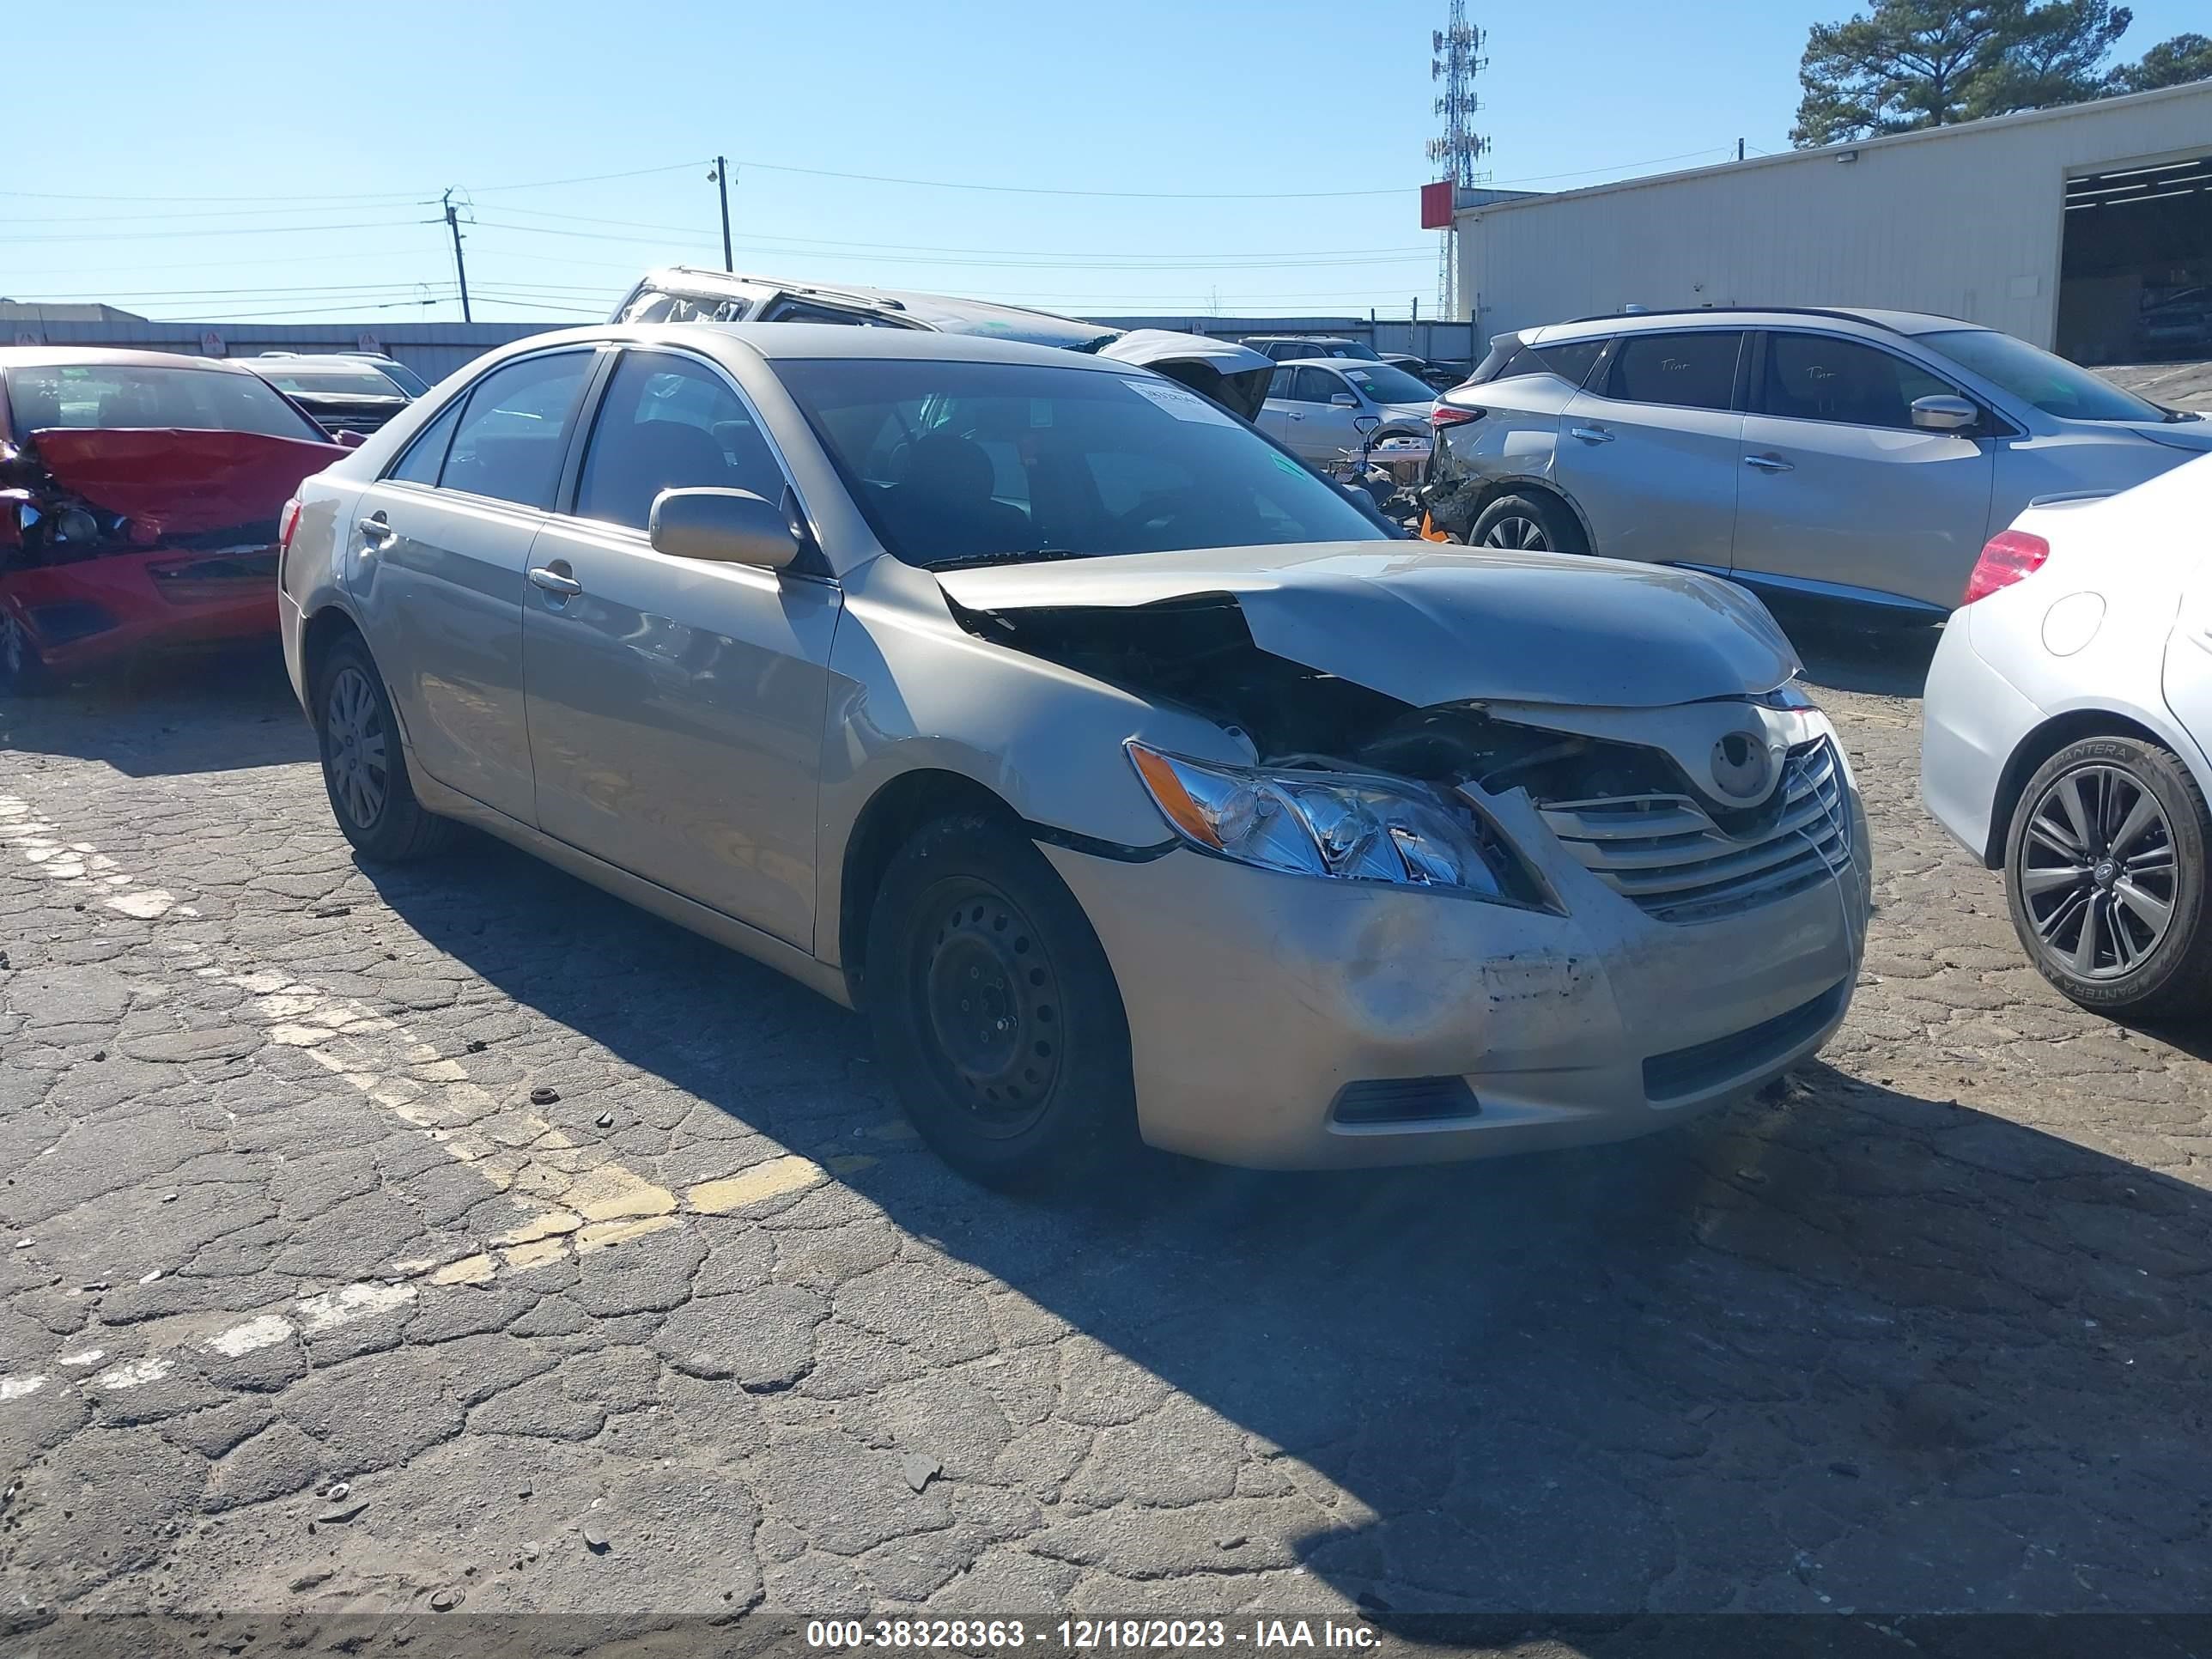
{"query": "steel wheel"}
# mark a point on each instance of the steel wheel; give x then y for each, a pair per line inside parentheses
(992, 1003)
(1525, 535)
(2097, 872)
(355, 747)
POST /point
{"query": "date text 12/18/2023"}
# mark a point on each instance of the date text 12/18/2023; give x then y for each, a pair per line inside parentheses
(1087, 1635)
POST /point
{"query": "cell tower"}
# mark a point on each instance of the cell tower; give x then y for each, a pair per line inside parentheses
(1457, 60)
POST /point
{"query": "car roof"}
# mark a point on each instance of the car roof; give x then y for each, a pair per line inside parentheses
(1303, 339)
(42, 356)
(796, 342)
(1625, 322)
(946, 313)
(312, 360)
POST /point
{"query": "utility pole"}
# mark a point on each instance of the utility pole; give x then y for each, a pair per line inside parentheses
(460, 265)
(721, 175)
(1739, 149)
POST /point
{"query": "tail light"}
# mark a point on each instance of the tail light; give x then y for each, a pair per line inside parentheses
(287, 526)
(2006, 558)
(1444, 414)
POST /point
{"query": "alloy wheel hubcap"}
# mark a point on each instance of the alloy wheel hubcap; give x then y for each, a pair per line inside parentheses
(993, 1007)
(1525, 535)
(2098, 875)
(355, 752)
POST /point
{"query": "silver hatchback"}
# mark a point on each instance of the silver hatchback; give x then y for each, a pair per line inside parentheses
(1860, 455)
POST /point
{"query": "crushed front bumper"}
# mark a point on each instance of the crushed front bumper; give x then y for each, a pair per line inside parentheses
(1256, 1001)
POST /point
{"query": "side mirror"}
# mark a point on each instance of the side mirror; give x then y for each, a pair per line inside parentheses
(726, 526)
(1364, 424)
(1345, 400)
(348, 439)
(1944, 413)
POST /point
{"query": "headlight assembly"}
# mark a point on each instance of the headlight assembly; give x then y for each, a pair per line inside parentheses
(1351, 827)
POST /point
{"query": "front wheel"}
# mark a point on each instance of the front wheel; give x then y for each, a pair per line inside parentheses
(2104, 876)
(22, 671)
(1527, 524)
(995, 1010)
(364, 773)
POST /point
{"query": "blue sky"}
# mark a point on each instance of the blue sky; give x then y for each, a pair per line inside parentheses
(239, 161)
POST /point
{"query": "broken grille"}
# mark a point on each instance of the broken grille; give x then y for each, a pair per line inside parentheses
(1667, 854)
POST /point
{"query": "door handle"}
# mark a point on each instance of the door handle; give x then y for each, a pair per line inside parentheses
(374, 531)
(1590, 435)
(1768, 463)
(552, 581)
(1292, 414)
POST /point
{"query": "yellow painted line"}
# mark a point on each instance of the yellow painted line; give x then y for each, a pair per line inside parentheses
(779, 1176)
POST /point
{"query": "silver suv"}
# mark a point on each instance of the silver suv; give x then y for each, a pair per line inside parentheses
(1863, 455)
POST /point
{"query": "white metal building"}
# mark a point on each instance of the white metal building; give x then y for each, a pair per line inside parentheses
(2089, 228)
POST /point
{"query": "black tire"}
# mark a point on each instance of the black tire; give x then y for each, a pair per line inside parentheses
(1038, 1088)
(364, 771)
(22, 670)
(2135, 889)
(1534, 523)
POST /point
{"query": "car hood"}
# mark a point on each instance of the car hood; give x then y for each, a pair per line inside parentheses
(1429, 624)
(180, 482)
(2194, 436)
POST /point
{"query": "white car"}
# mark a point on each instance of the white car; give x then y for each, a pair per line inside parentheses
(2066, 718)
(1321, 407)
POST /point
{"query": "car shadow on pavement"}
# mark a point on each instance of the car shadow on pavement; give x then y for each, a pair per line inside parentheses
(114, 716)
(1858, 647)
(1843, 1347)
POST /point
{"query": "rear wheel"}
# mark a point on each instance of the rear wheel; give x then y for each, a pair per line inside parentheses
(2104, 874)
(994, 1006)
(1528, 524)
(22, 671)
(364, 773)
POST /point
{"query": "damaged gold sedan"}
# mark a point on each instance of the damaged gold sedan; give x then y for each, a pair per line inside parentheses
(1132, 782)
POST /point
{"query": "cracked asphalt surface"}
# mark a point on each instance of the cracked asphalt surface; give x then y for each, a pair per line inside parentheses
(308, 1301)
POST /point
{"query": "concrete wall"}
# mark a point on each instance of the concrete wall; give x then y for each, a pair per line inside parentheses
(433, 350)
(1964, 221)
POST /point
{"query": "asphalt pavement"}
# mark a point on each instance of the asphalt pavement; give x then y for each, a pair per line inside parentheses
(377, 1241)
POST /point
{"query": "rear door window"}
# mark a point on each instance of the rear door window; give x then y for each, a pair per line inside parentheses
(515, 433)
(1815, 377)
(1686, 371)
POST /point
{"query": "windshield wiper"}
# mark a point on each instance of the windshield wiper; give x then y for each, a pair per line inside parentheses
(1020, 556)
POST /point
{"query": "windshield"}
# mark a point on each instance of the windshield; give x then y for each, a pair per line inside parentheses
(112, 396)
(2051, 383)
(404, 378)
(956, 462)
(1386, 385)
(362, 382)
(1352, 349)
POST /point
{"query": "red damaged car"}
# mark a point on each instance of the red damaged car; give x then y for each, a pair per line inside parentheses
(139, 496)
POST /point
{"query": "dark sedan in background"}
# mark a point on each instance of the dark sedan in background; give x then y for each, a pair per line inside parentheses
(343, 394)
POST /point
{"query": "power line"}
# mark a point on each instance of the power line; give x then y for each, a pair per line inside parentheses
(234, 230)
(924, 247)
(1040, 263)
